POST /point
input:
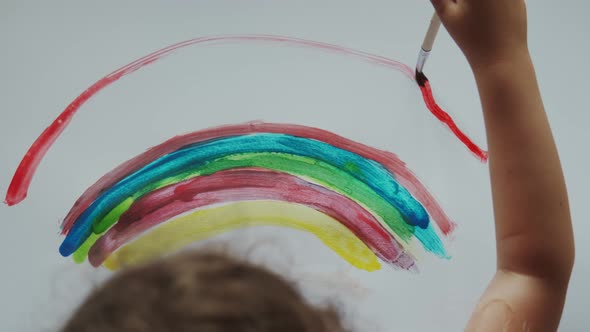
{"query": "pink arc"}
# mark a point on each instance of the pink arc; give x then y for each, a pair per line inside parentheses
(21, 180)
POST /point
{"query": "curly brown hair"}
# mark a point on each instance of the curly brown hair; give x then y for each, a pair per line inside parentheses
(205, 292)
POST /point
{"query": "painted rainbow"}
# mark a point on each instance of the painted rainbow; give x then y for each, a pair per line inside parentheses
(363, 203)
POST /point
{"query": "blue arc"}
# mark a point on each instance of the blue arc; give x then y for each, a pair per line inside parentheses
(189, 157)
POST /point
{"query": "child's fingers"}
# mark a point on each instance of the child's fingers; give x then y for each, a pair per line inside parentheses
(444, 8)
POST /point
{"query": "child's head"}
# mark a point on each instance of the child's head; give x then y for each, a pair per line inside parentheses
(199, 292)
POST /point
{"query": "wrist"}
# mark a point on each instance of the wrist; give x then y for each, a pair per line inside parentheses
(511, 63)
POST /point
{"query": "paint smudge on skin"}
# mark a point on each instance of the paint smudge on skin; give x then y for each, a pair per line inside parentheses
(22, 178)
(366, 192)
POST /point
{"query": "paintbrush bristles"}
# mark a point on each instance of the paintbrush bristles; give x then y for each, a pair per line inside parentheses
(421, 79)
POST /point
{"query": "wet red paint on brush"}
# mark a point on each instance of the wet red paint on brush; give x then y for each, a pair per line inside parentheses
(22, 178)
(444, 117)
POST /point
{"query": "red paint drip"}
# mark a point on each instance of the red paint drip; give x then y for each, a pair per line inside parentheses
(448, 120)
(21, 180)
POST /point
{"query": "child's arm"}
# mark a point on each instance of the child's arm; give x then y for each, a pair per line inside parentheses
(533, 227)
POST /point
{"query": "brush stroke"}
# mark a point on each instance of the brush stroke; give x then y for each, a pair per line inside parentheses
(245, 185)
(22, 178)
(251, 163)
(310, 169)
(320, 173)
(388, 160)
(183, 160)
(444, 117)
(203, 224)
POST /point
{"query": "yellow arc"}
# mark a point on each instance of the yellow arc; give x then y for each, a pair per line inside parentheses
(177, 233)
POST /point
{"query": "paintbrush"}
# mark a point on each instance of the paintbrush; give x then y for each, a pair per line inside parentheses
(426, 49)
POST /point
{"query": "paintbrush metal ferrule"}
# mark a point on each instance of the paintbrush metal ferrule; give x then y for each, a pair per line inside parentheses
(422, 57)
(428, 42)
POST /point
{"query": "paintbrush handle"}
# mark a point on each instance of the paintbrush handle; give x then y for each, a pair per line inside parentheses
(431, 33)
(428, 42)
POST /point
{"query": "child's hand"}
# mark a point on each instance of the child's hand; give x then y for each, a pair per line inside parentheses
(488, 31)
